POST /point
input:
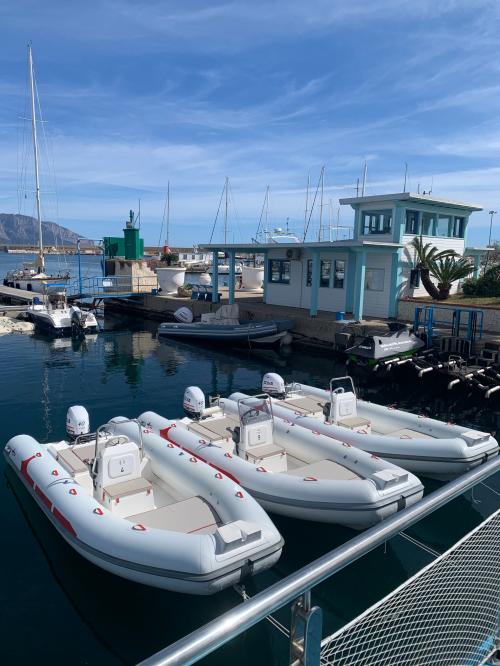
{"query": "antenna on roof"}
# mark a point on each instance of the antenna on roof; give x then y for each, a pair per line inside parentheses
(406, 174)
(432, 185)
(357, 187)
(418, 188)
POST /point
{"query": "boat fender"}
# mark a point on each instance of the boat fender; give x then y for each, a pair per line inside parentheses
(327, 410)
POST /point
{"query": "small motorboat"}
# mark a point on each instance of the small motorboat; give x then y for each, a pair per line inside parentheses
(224, 326)
(398, 342)
(423, 445)
(289, 470)
(55, 316)
(144, 510)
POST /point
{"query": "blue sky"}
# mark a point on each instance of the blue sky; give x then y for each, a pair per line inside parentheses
(138, 94)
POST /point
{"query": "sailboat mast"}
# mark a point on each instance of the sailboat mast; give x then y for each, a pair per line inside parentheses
(225, 214)
(40, 260)
(168, 213)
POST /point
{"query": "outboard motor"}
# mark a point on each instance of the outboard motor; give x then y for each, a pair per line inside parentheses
(77, 422)
(184, 315)
(274, 385)
(194, 402)
(77, 321)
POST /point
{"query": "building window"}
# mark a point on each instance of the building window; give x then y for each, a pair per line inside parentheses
(412, 225)
(324, 273)
(279, 271)
(414, 278)
(458, 227)
(428, 223)
(374, 279)
(338, 274)
(443, 226)
(193, 256)
(377, 221)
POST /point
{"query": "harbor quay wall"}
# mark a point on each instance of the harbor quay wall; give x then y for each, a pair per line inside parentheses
(491, 315)
(322, 330)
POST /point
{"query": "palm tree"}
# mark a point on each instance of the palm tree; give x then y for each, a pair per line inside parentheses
(449, 270)
(426, 255)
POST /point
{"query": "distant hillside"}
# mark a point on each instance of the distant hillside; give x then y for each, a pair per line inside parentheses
(23, 230)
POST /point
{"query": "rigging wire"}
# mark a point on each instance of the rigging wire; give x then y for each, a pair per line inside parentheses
(312, 207)
(217, 214)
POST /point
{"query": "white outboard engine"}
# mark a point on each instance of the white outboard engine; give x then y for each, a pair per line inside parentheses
(274, 385)
(77, 422)
(184, 315)
(194, 402)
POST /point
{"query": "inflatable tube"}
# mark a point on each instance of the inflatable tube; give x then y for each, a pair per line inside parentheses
(425, 446)
(245, 542)
(377, 488)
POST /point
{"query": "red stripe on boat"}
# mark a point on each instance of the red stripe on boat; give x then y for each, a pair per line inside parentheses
(43, 497)
(164, 434)
(63, 521)
(24, 469)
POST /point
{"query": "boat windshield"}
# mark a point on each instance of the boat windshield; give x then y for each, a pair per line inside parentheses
(255, 410)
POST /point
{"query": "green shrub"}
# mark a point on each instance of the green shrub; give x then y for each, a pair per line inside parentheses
(486, 285)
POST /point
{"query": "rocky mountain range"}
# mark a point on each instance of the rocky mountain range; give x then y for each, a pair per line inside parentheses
(23, 230)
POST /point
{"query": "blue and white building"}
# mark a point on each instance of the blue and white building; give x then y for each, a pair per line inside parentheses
(367, 274)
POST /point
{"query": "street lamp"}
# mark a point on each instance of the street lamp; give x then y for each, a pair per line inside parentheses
(491, 213)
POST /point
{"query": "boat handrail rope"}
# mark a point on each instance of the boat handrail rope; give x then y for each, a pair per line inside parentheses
(213, 635)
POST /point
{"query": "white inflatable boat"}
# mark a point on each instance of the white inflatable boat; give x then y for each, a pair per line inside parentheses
(418, 443)
(143, 510)
(289, 470)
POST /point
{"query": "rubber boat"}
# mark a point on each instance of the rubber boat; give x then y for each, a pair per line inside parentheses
(423, 445)
(57, 317)
(224, 326)
(398, 342)
(143, 510)
(289, 470)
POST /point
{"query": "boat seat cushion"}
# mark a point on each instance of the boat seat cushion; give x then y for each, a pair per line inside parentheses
(264, 451)
(353, 422)
(213, 429)
(84, 451)
(305, 405)
(71, 461)
(325, 469)
(192, 515)
(407, 433)
(130, 487)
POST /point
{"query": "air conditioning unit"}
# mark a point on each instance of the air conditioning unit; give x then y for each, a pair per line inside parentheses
(294, 254)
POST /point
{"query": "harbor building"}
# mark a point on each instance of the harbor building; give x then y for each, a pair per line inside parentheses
(367, 274)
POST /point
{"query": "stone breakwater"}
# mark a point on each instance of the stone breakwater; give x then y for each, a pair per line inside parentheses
(9, 325)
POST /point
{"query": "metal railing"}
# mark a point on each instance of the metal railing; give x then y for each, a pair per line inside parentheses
(111, 286)
(297, 586)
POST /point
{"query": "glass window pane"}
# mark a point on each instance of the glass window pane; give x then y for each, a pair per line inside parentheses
(285, 271)
(339, 274)
(428, 223)
(377, 221)
(443, 226)
(309, 272)
(458, 227)
(412, 222)
(275, 270)
(324, 277)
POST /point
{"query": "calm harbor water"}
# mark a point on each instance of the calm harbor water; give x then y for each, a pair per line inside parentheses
(56, 607)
